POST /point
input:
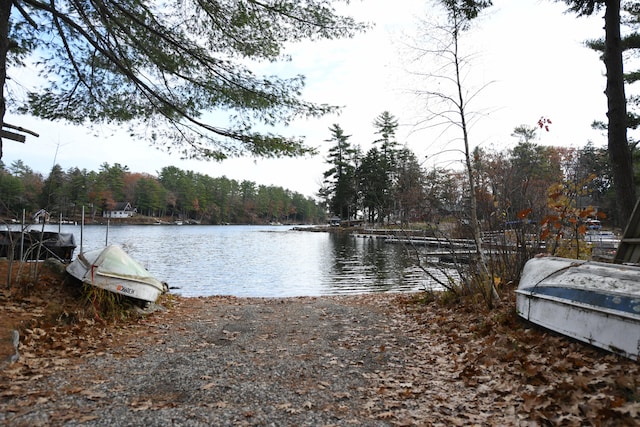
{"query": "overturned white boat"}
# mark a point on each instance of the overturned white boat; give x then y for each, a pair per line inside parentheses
(590, 301)
(112, 269)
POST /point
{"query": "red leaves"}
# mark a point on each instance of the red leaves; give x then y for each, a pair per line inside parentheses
(544, 122)
(524, 213)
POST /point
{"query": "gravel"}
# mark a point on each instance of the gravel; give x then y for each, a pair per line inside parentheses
(217, 361)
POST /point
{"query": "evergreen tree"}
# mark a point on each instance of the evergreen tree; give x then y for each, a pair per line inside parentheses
(76, 190)
(52, 196)
(32, 183)
(617, 143)
(410, 186)
(11, 190)
(341, 190)
(149, 196)
(386, 125)
(374, 185)
(114, 177)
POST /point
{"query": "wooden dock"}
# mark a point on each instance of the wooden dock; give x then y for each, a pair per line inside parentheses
(446, 250)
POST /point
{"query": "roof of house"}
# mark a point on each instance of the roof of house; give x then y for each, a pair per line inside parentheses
(121, 206)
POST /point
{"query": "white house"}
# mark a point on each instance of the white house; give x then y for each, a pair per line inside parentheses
(120, 210)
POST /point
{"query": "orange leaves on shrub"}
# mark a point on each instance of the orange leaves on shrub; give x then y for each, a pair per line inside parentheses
(567, 223)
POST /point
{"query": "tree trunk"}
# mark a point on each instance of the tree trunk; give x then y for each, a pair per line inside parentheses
(5, 12)
(619, 152)
(491, 294)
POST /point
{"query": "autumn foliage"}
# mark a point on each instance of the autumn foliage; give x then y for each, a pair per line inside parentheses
(566, 224)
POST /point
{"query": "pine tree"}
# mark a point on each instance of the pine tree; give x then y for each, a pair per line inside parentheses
(340, 180)
(617, 143)
(386, 125)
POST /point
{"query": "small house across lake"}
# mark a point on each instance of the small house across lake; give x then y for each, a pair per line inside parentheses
(120, 210)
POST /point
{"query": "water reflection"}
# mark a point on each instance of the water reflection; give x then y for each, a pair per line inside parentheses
(261, 261)
(372, 264)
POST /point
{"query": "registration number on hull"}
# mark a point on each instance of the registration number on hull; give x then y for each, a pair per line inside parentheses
(125, 290)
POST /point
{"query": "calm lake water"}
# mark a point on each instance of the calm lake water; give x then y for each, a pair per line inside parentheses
(259, 261)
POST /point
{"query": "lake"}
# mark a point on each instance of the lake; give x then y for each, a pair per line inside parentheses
(259, 261)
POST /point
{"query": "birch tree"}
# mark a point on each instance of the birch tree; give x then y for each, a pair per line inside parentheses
(448, 103)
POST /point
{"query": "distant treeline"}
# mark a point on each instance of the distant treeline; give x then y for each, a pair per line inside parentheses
(175, 193)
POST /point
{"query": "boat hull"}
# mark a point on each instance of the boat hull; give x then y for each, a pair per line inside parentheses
(593, 302)
(114, 270)
(137, 290)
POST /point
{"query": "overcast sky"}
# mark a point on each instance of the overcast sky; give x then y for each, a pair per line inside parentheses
(529, 54)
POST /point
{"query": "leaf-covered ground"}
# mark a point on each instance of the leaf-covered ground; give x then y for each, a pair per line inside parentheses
(355, 360)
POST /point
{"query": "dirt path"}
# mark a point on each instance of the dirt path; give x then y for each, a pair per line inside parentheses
(360, 360)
